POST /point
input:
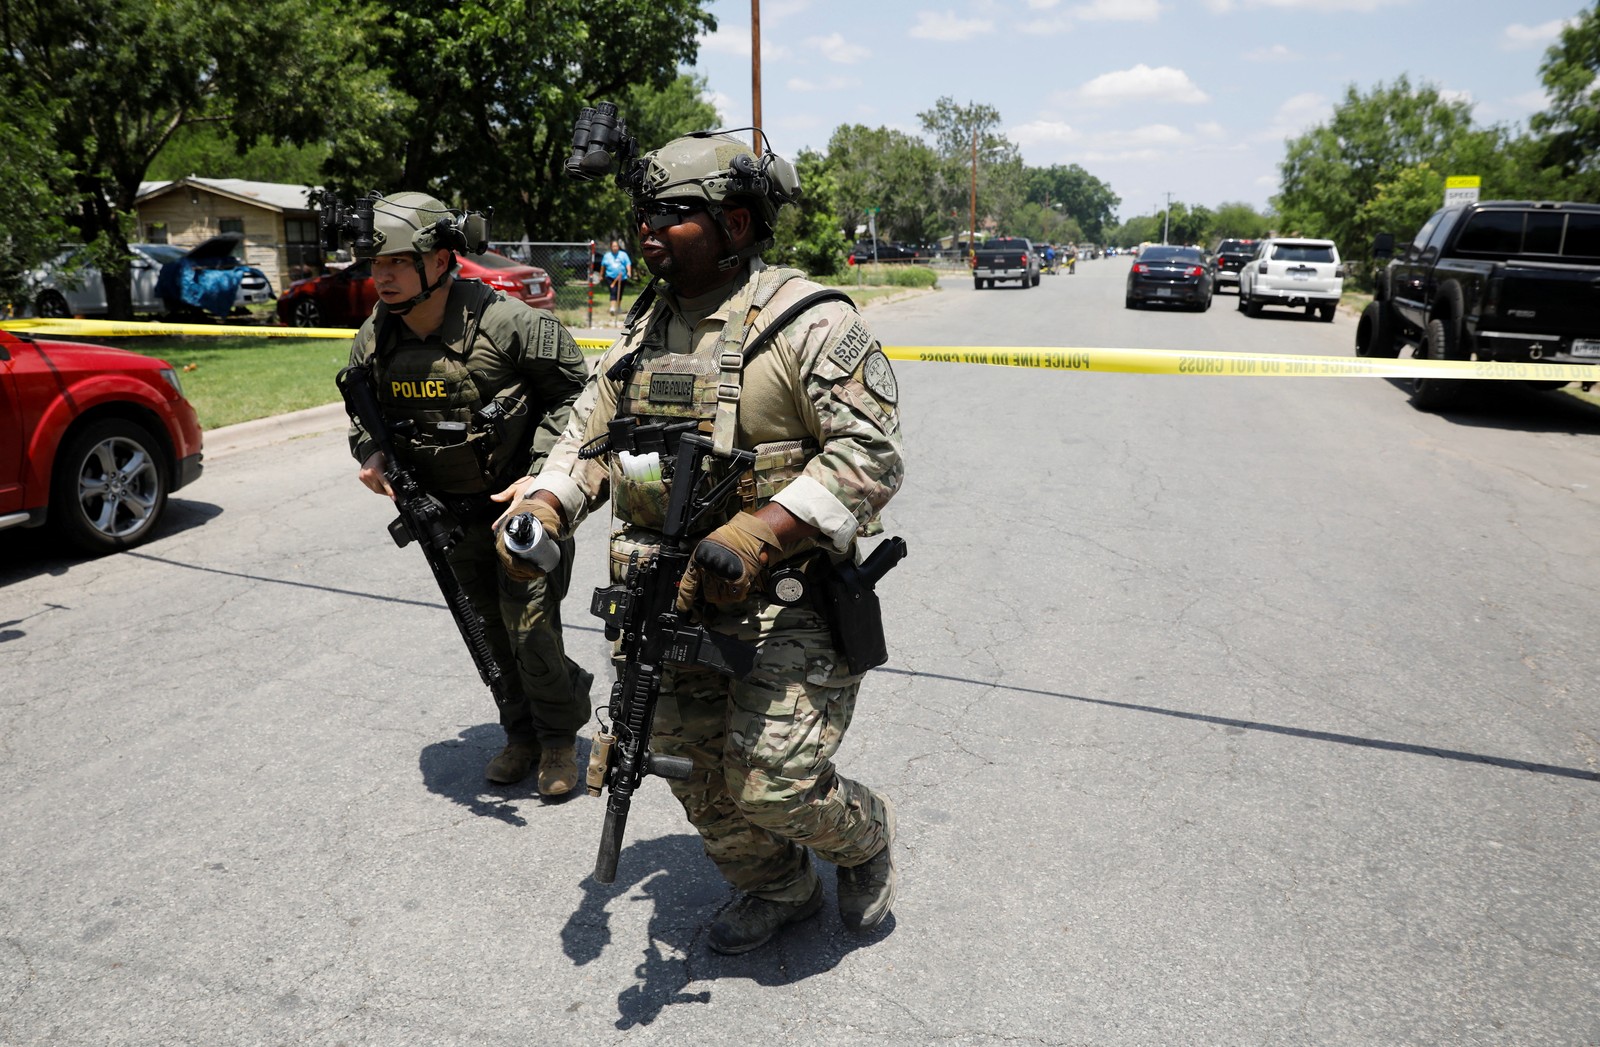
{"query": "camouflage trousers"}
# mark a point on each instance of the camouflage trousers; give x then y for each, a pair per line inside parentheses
(764, 787)
(522, 622)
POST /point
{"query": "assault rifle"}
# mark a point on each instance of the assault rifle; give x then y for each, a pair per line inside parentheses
(642, 612)
(425, 521)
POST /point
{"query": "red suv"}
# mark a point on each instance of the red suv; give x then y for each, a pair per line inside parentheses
(92, 439)
(345, 297)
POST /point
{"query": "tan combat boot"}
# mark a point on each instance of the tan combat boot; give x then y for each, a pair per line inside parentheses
(866, 891)
(513, 763)
(558, 769)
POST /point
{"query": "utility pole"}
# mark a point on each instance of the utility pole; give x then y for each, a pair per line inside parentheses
(972, 224)
(1166, 219)
(755, 72)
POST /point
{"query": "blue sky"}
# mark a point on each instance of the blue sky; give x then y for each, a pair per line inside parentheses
(1195, 97)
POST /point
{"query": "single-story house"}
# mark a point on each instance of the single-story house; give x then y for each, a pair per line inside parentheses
(277, 222)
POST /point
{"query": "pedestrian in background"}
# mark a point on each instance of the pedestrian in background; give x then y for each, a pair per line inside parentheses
(619, 270)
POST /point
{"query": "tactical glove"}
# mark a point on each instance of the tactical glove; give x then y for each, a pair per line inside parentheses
(728, 562)
(515, 567)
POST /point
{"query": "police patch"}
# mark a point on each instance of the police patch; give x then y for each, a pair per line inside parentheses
(672, 388)
(878, 377)
(547, 339)
(851, 346)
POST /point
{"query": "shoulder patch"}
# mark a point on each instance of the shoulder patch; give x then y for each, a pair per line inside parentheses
(547, 339)
(878, 377)
(851, 346)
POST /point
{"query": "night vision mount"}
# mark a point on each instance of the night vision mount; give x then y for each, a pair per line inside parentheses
(353, 225)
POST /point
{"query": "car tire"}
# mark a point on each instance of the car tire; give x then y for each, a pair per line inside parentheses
(1375, 332)
(1325, 312)
(1252, 308)
(109, 487)
(307, 313)
(52, 304)
(1433, 394)
(1130, 302)
(1239, 305)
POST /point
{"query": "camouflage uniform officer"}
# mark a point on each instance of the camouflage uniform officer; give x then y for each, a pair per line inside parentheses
(817, 404)
(489, 384)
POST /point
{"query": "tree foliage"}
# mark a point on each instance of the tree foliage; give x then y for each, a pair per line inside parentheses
(485, 93)
(125, 77)
(1571, 126)
(895, 172)
(1081, 196)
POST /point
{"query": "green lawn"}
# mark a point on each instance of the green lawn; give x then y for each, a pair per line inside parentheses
(238, 379)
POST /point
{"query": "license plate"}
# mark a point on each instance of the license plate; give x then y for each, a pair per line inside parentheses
(1586, 347)
(1166, 292)
(1301, 276)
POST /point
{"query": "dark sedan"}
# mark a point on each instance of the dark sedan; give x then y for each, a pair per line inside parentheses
(1170, 274)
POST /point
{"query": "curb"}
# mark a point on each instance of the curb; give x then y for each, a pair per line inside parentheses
(247, 436)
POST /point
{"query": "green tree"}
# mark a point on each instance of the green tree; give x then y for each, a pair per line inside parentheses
(1081, 196)
(37, 188)
(890, 170)
(207, 151)
(1001, 178)
(809, 236)
(1238, 221)
(130, 75)
(486, 91)
(1333, 171)
(1570, 128)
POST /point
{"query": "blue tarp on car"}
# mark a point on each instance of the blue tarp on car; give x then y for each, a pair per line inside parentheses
(210, 290)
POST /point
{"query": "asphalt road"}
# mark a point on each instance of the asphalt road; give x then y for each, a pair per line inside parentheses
(1219, 711)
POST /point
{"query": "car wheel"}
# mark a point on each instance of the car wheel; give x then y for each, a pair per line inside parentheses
(52, 304)
(1130, 302)
(1239, 305)
(1375, 332)
(1251, 307)
(1326, 313)
(110, 486)
(1431, 394)
(307, 314)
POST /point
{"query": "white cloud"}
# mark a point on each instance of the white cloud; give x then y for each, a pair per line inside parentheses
(1222, 7)
(735, 40)
(945, 26)
(1042, 5)
(835, 48)
(1047, 26)
(1275, 53)
(1297, 115)
(1144, 137)
(1041, 133)
(1451, 95)
(1211, 131)
(1118, 11)
(1519, 37)
(832, 83)
(722, 103)
(1140, 84)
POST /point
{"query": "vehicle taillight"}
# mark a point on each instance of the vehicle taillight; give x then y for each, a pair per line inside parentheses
(1491, 296)
(1195, 270)
(1024, 261)
(1140, 267)
(1338, 270)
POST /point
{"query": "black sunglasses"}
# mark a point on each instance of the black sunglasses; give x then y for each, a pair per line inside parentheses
(664, 214)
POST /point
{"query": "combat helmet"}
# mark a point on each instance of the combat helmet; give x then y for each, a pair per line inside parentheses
(719, 169)
(412, 223)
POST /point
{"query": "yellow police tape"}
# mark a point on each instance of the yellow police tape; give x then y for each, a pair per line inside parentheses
(1050, 358)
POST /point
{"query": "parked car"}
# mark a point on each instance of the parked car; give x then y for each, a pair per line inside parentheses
(576, 261)
(1293, 272)
(70, 286)
(1231, 255)
(344, 297)
(1166, 273)
(863, 253)
(92, 440)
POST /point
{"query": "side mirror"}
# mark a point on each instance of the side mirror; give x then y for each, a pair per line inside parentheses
(1383, 245)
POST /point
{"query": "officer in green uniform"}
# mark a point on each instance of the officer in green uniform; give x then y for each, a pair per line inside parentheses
(481, 386)
(817, 405)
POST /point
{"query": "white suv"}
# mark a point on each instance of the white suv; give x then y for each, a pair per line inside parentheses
(1293, 271)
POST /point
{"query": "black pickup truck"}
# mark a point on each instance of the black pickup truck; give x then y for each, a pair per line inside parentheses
(1496, 280)
(1006, 258)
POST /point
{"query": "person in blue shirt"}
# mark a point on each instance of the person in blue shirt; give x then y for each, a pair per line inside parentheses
(619, 270)
(1049, 258)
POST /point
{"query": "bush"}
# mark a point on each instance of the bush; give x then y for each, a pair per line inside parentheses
(884, 276)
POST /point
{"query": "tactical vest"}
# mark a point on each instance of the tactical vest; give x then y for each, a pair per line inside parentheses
(703, 386)
(428, 382)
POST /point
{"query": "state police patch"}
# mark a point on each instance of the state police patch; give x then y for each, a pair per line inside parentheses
(548, 338)
(851, 346)
(878, 377)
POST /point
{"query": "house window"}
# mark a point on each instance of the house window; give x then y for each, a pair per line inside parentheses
(232, 225)
(302, 244)
(155, 232)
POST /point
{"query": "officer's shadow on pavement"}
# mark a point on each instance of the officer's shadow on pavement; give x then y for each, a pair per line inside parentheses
(674, 877)
(454, 769)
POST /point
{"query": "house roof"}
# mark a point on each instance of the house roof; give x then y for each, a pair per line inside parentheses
(274, 196)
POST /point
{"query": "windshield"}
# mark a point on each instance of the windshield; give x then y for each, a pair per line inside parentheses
(1170, 254)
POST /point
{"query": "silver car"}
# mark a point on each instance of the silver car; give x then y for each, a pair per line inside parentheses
(56, 292)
